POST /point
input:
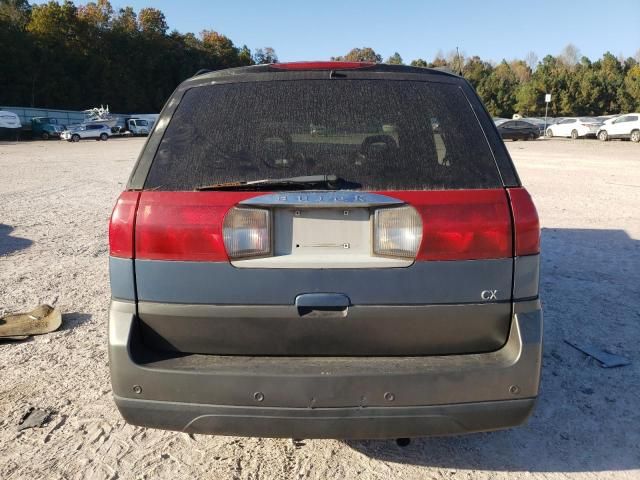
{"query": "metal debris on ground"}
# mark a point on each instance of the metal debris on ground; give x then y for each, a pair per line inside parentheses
(34, 417)
(42, 319)
(606, 359)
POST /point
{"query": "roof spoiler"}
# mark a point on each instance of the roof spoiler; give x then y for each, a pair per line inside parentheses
(202, 71)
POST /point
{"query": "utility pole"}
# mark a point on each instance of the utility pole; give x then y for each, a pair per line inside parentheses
(458, 61)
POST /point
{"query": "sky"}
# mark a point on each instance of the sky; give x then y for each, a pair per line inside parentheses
(493, 30)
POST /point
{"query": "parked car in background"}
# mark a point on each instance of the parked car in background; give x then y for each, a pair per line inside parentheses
(605, 118)
(624, 126)
(540, 123)
(518, 130)
(574, 127)
(45, 128)
(375, 279)
(95, 131)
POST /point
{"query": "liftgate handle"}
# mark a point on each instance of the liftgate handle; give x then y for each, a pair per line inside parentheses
(321, 301)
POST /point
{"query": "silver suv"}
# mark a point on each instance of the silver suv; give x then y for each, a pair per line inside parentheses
(92, 130)
(325, 250)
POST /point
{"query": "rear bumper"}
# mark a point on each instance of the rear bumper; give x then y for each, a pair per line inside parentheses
(343, 423)
(326, 397)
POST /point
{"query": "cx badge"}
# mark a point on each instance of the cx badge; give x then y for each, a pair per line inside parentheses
(489, 295)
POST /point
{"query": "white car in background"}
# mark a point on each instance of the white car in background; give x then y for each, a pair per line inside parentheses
(574, 127)
(624, 126)
(95, 131)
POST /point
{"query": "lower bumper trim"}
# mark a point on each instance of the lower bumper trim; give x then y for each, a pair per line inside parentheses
(338, 423)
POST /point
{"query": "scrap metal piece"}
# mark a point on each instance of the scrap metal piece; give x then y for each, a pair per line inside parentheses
(606, 359)
(34, 417)
(42, 319)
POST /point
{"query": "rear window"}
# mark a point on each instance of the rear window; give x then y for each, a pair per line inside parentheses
(382, 134)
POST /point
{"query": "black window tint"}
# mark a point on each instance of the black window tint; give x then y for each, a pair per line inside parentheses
(382, 134)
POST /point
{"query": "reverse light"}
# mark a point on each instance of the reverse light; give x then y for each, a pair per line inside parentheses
(247, 233)
(397, 232)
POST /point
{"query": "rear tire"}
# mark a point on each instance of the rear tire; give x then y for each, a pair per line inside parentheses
(104, 137)
(532, 136)
(45, 136)
(75, 138)
(603, 136)
(635, 136)
(549, 133)
(574, 134)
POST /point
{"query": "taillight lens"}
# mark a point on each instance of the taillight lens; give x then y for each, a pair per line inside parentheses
(247, 232)
(122, 224)
(526, 222)
(462, 224)
(397, 232)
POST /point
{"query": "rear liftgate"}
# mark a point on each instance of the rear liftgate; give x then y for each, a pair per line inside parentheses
(322, 273)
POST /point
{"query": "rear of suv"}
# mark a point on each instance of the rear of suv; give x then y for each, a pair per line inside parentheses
(325, 250)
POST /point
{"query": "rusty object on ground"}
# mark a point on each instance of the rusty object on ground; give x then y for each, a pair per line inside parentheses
(42, 319)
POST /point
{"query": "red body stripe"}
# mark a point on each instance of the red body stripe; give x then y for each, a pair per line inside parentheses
(322, 65)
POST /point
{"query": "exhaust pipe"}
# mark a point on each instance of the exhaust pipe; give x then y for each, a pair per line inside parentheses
(403, 442)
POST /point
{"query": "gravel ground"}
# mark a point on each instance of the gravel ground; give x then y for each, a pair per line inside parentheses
(55, 200)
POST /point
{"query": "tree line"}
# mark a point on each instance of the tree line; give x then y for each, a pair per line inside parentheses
(59, 55)
(578, 86)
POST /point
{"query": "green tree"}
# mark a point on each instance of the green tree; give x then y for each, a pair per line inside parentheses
(152, 20)
(365, 54)
(632, 88)
(15, 12)
(395, 59)
(244, 56)
(419, 62)
(96, 14)
(221, 47)
(498, 91)
(265, 55)
(126, 20)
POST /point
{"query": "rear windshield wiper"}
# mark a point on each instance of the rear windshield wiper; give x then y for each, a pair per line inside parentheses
(332, 182)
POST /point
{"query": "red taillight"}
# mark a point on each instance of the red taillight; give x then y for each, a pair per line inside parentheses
(322, 65)
(526, 222)
(121, 225)
(462, 224)
(184, 225)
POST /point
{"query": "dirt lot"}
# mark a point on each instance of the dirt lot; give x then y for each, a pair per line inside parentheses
(55, 199)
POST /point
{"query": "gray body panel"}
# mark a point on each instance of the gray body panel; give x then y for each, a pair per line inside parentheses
(526, 277)
(121, 278)
(289, 397)
(436, 282)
